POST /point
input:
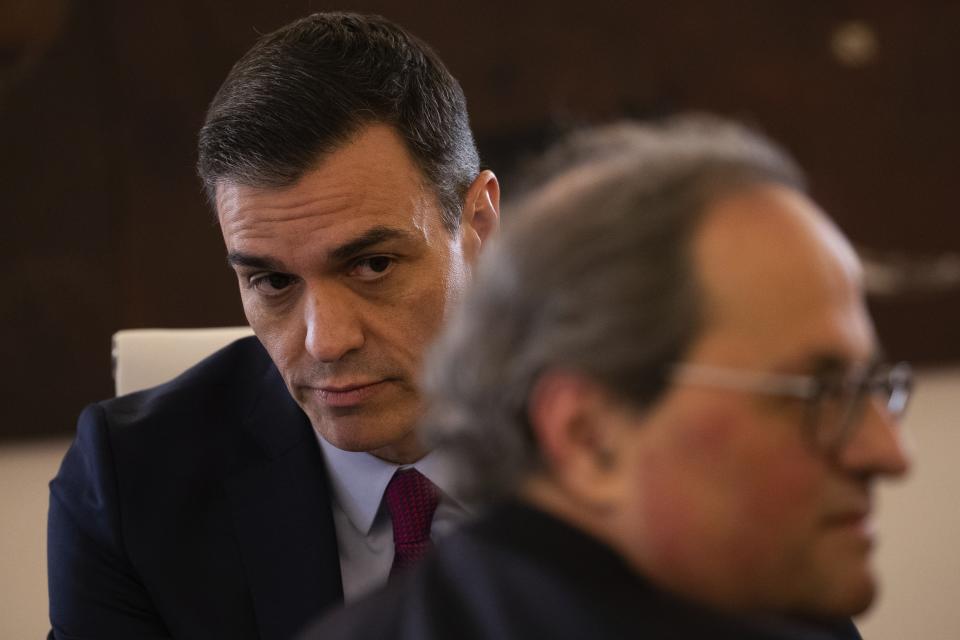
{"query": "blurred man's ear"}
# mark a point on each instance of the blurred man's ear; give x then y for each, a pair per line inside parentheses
(480, 219)
(579, 428)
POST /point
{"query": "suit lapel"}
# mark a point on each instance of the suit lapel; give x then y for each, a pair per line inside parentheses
(282, 513)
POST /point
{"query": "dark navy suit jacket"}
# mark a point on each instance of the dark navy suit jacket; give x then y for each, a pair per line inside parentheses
(197, 509)
(519, 573)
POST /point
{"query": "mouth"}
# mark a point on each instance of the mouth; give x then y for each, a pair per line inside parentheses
(848, 518)
(856, 522)
(347, 395)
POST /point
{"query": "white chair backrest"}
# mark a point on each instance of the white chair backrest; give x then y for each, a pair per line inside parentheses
(147, 357)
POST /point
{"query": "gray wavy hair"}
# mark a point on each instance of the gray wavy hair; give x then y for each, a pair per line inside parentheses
(592, 274)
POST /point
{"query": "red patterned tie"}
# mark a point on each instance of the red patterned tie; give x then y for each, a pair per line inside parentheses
(411, 501)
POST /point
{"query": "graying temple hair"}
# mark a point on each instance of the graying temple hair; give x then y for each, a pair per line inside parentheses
(592, 275)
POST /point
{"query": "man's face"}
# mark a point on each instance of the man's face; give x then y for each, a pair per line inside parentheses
(346, 276)
(728, 501)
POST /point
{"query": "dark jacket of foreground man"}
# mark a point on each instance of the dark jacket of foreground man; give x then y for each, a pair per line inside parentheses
(519, 573)
(199, 509)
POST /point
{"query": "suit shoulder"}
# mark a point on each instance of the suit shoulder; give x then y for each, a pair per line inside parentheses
(175, 438)
(223, 384)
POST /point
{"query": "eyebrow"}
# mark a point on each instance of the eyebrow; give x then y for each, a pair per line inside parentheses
(366, 240)
(832, 362)
(369, 238)
(240, 259)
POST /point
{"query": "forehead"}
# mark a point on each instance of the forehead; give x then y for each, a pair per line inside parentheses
(369, 181)
(780, 282)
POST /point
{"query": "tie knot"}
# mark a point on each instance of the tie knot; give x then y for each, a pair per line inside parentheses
(411, 500)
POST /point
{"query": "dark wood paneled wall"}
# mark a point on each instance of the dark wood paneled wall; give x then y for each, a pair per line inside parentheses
(104, 225)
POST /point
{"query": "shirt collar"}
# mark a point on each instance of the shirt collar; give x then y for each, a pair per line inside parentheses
(360, 479)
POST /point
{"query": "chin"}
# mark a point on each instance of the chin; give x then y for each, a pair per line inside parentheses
(358, 438)
(846, 597)
(348, 444)
(350, 440)
(859, 601)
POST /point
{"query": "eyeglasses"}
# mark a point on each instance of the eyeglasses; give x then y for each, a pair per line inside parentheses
(835, 402)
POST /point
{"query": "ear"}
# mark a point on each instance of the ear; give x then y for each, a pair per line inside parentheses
(480, 218)
(580, 430)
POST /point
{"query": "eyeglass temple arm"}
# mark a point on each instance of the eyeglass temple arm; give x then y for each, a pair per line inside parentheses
(803, 387)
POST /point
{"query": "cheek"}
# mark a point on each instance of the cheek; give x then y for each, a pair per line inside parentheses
(718, 496)
(776, 516)
(682, 488)
(416, 317)
(259, 315)
(783, 488)
(281, 334)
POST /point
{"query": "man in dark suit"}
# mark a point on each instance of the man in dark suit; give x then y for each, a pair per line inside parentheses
(680, 415)
(283, 474)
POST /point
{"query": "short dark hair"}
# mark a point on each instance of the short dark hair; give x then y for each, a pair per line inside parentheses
(307, 88)
(593, 274)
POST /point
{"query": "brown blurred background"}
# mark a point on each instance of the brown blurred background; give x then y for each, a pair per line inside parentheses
(104, 225)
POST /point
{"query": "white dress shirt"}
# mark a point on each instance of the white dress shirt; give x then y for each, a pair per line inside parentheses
(362, 522)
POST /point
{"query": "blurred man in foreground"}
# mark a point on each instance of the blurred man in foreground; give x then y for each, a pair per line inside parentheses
(667, 378)
(283, 474)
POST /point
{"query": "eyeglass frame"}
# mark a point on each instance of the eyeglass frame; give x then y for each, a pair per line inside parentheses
(895, 379)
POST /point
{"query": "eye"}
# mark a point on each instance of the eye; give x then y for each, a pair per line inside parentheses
(372, 268)
(271, 284)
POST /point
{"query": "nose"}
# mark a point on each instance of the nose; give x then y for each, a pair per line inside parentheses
(333, 324)
(877, 446)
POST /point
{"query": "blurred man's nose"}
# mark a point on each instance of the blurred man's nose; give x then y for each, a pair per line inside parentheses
(334, 326)
(878, 444)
